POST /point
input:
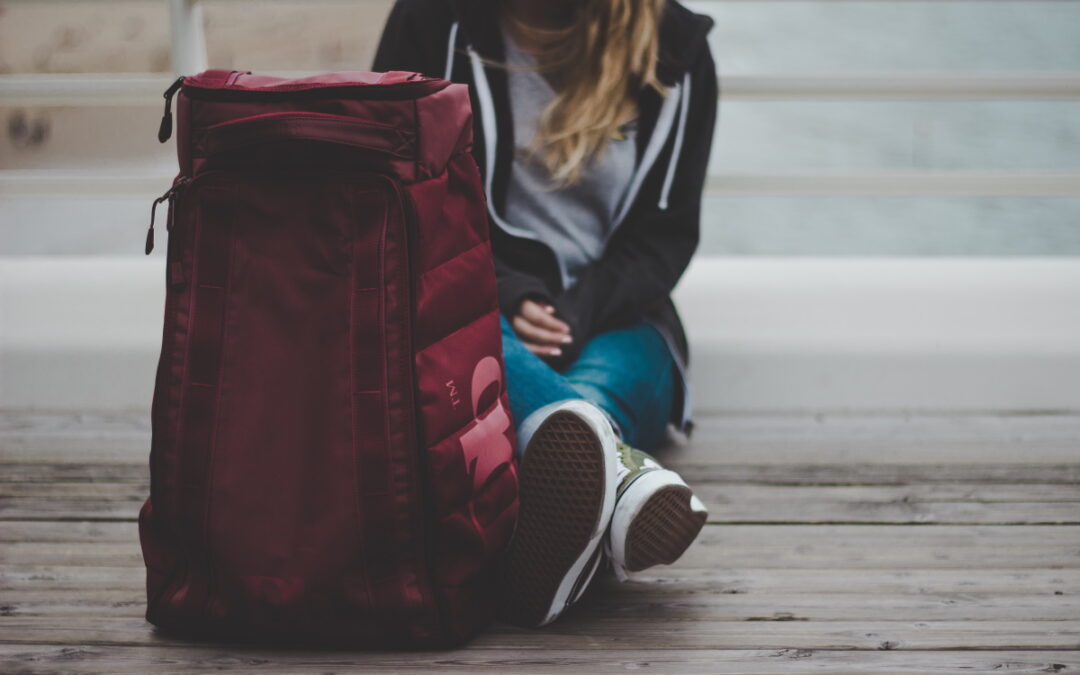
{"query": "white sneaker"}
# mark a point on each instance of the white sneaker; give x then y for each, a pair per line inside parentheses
(657, 516)
(567, 482)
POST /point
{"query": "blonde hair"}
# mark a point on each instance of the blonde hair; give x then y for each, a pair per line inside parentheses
(596, 65)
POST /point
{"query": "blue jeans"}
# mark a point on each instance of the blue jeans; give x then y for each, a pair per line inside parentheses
(629, 373)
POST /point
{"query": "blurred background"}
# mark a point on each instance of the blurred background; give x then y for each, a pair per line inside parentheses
(892, 220)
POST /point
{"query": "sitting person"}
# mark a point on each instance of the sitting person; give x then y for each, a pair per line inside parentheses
(594, 126)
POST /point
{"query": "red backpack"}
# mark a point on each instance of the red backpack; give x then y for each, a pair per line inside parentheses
(331, 459)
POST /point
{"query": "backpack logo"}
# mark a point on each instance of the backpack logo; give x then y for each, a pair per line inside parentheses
(486, 446)
(452, 392)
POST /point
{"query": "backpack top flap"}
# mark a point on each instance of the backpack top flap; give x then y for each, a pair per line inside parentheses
(412, 124)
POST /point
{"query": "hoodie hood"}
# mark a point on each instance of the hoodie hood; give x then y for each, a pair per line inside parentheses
(683, 36)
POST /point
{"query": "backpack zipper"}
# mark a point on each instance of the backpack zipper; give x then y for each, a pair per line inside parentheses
(398, 90)
(165, 128)
(169, 195)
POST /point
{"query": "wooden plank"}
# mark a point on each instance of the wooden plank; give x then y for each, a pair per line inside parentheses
(664, 632)
(917, 493)
(719, 546)
(798, 595)
(682, 602)
(73, 473)
(67, 578)
(836, 582)
(689, 601)
(28, 423)
(737, 439)
(809, 445)
(530, 655)
(119, 491)
(877, 546)
(700, 451)
(917, 430)
(21, 531)
(1063, 538)
(918, 504)
(47, 508)
(17, 424)
(75, 470)
(589, 632)
(945, 503)
(30, 578)
(70, 553)
(699, 472)
(930, 493)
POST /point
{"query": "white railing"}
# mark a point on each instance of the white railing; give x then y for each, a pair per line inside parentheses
(105, 89)
(188, 45)
(60, 183)
(188, 49)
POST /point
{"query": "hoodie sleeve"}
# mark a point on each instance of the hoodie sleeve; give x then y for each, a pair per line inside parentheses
(647, 256)
(516, 286)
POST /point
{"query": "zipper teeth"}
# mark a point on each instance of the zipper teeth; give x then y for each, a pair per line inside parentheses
(427, 512)
(306, 87)
(395, 91)
(344, 119)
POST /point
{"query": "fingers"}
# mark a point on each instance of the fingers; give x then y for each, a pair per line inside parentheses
(531, 332)
(541, 350)
(543, 315)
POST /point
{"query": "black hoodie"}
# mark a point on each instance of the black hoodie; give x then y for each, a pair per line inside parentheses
(655, 236)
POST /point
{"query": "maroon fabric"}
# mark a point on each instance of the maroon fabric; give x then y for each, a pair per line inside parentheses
(331, 459)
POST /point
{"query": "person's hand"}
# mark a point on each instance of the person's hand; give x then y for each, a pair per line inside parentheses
(539, 329)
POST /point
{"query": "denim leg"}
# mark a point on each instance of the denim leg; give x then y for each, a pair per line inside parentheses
(630, 374)
(530, 382)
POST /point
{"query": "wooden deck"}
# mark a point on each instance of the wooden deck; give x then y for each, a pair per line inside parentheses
(835, 544)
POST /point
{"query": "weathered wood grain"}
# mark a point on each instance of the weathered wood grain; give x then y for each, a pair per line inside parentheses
(1004, 583)
(578, 629)
(921, 504)
(918, 504)
(915, 493)
(526, 655)
(76, 470)
(845, 544)
(718, 546)
(877, 546)
(747, 439)
(625, 601)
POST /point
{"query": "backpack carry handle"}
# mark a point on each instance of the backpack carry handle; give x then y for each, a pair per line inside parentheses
(319, 127)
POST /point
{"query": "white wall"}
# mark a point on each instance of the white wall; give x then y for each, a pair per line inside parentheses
(767, 334)
(884, 333)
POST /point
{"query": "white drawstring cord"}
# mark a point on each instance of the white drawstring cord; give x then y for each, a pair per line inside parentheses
(669, 177)
(450, 51)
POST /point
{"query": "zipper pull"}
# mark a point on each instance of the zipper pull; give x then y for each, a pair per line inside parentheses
(169, 194)
(165, 130)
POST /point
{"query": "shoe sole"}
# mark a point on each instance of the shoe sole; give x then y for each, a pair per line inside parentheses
(663, 530)
(655, 521)
(564, 483)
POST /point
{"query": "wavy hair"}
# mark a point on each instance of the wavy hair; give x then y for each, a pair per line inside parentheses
(596, 65)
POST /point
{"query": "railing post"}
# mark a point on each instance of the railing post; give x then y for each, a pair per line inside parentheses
(186, 32)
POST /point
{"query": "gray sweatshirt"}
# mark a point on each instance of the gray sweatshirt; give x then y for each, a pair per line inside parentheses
(574, 220)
